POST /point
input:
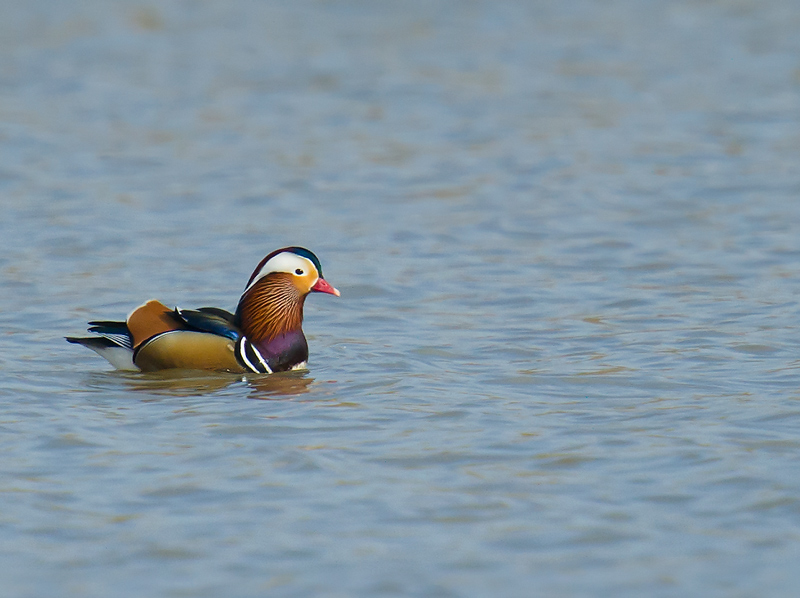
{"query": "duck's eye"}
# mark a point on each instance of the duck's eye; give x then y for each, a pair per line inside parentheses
(299, 272)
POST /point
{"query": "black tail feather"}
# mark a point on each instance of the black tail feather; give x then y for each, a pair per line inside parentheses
(108, 326)
(92, 341)
(110, 334)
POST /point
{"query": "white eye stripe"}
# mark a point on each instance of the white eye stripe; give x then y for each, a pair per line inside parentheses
(283, 262)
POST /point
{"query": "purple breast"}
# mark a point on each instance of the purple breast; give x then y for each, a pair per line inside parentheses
(284, 351)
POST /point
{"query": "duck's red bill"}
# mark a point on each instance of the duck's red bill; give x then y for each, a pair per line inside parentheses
(322, 286)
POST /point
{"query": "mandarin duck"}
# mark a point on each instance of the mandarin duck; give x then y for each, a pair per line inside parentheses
(265, 334)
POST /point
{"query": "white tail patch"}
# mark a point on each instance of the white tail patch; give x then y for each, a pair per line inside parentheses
(120, 357)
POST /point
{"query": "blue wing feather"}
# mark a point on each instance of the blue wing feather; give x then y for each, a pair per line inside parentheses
(210, 319)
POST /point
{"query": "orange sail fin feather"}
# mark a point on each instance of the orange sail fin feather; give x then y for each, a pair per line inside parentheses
(264, 335)
(150, 319)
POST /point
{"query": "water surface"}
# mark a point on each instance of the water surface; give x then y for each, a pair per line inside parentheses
(565, 358)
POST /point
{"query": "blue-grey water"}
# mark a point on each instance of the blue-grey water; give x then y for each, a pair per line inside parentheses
(566, 359)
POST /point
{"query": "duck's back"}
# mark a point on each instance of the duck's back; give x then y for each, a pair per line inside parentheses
(164, 339)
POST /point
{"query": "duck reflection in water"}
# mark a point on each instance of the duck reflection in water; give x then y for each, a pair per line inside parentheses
(183, 383)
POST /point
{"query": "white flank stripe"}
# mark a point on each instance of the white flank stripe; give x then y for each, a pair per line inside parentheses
(261, 359)
(243, 355)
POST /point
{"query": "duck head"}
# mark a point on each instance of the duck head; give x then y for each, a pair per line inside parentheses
(272, 302)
